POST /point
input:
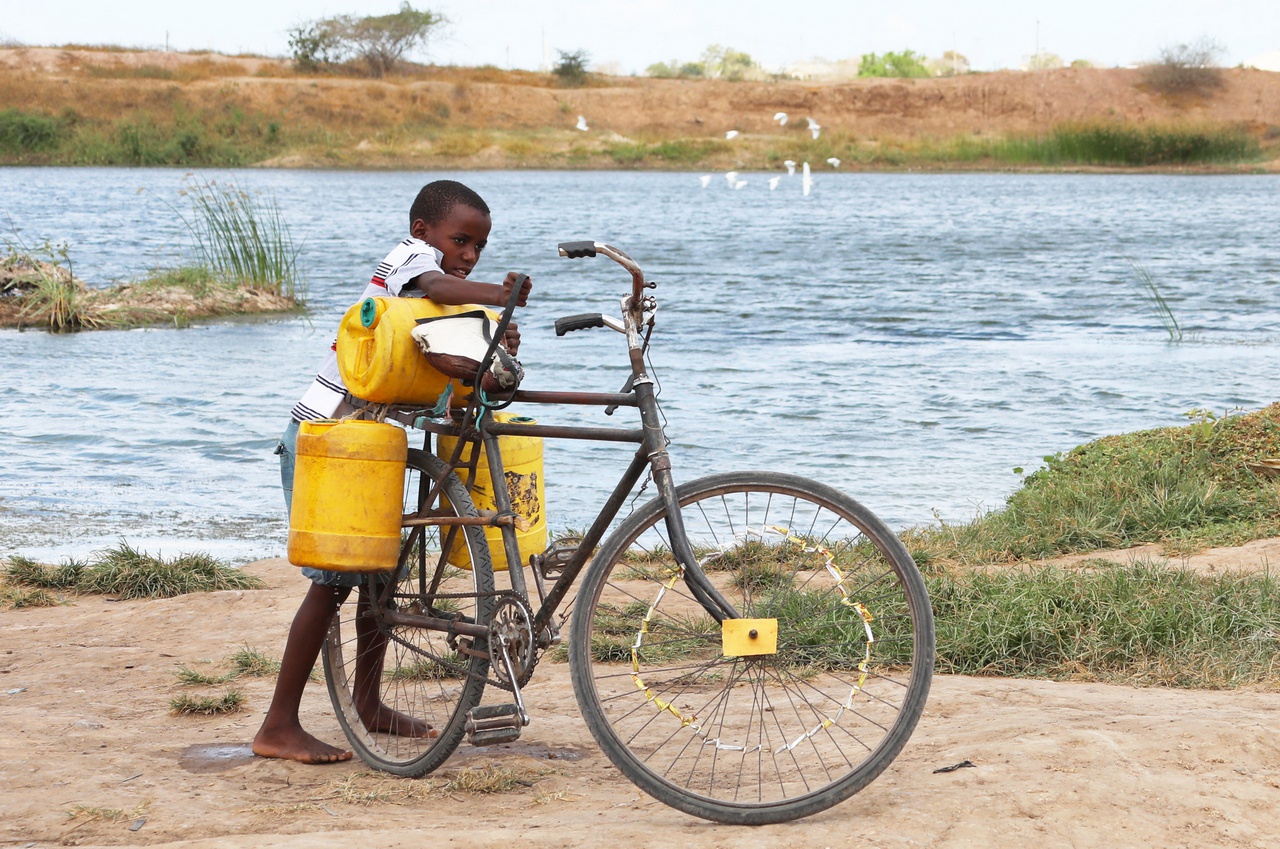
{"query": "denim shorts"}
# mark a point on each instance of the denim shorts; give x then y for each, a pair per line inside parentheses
(288, 449)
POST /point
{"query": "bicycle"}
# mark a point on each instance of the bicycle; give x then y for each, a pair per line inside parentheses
(749, 647)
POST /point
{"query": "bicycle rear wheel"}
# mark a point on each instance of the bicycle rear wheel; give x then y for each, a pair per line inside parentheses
(423, 676)
(717, 725)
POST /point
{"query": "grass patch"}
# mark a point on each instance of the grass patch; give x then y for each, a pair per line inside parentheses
(18, 598)
(254, 663)
(1144, 624)
(428, 669)
(94, 813)
(490, 779)
(39, 282)
(126, 572)
(370, 788)
(232, 701)
(244, 662)
(196, 678)
(1192, 486)
(669, 153)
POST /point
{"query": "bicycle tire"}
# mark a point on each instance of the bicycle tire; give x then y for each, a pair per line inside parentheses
(762, 738)
(422, 677)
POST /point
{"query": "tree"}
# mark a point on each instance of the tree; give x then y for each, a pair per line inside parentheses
(1186, 69)
(949, 64)
(675, 69)
(725, 63)
(1044, 61)
(907, 63)
(381, 41)
(571, 70)
(314, 46)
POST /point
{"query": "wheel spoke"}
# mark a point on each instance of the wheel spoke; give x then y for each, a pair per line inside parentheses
(759, 738)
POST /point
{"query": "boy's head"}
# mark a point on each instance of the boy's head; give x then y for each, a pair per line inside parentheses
(436, 200)
(454, 220)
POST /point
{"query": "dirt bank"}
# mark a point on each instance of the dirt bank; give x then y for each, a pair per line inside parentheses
(485, 118)
(85, 737)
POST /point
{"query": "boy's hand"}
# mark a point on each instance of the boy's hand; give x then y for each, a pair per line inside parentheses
(509, 283)
(511, 339)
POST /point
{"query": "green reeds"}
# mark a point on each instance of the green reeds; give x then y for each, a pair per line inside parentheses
(1127, 146)
(243, 238)
(1153, 296)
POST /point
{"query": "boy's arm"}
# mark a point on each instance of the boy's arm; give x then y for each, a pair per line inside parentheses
(447, 289)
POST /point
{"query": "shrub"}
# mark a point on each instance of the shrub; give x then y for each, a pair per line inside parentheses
(22, 132)
(907, 63)
(571, 70)
(1186, 70)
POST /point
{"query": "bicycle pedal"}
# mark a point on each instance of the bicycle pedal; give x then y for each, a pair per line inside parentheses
(488, 725)
(551, 563)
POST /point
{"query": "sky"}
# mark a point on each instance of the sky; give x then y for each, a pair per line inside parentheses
(626, 36)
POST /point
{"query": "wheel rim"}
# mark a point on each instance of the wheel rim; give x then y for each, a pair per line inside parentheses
(814, 721)
(423, 676)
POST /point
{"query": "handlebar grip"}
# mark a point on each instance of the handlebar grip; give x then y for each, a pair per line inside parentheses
(576, 250)
(578, 322)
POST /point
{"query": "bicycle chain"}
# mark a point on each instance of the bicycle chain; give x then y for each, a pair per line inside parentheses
(491, 680)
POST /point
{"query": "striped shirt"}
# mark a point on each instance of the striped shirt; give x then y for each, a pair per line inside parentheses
(407, 260)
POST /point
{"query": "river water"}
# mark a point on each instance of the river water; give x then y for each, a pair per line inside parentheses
(907, 338)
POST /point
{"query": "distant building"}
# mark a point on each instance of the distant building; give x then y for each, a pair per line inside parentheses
(1264, 61)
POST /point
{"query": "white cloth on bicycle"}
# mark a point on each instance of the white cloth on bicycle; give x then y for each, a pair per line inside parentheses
(407, 260)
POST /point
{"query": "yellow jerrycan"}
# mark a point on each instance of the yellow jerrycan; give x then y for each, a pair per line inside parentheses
(347, 495)
(522, 463)
(378, 359)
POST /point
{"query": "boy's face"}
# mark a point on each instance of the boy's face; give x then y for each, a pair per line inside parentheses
(461, 236)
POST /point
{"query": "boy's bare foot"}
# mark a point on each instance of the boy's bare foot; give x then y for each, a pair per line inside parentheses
(388, 721)
(297, 746)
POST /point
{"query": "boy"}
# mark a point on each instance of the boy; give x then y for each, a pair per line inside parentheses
(448, 229)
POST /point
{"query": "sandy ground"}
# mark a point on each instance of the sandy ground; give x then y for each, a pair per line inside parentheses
(84, 726)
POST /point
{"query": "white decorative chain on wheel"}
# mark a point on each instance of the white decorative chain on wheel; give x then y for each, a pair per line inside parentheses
(677, 573)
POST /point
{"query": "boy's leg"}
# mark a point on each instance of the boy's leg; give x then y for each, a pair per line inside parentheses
(281, 734)
(371, 649)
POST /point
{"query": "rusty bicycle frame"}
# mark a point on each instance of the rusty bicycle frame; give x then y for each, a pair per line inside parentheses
(475, 426)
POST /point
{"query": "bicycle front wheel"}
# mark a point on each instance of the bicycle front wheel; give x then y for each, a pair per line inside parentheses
(711, 718)
(402, 692)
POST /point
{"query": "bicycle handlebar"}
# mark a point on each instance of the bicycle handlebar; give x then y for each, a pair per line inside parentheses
(579, 249)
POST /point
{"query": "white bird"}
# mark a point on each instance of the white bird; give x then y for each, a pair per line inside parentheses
(833, 162)
(814, 127)
(806, 181)
(730, 135)
(791, 167)
(582, 123)
(773, 182)
(781, 118)
(705, 180)
(737, 184)
(731, 177)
